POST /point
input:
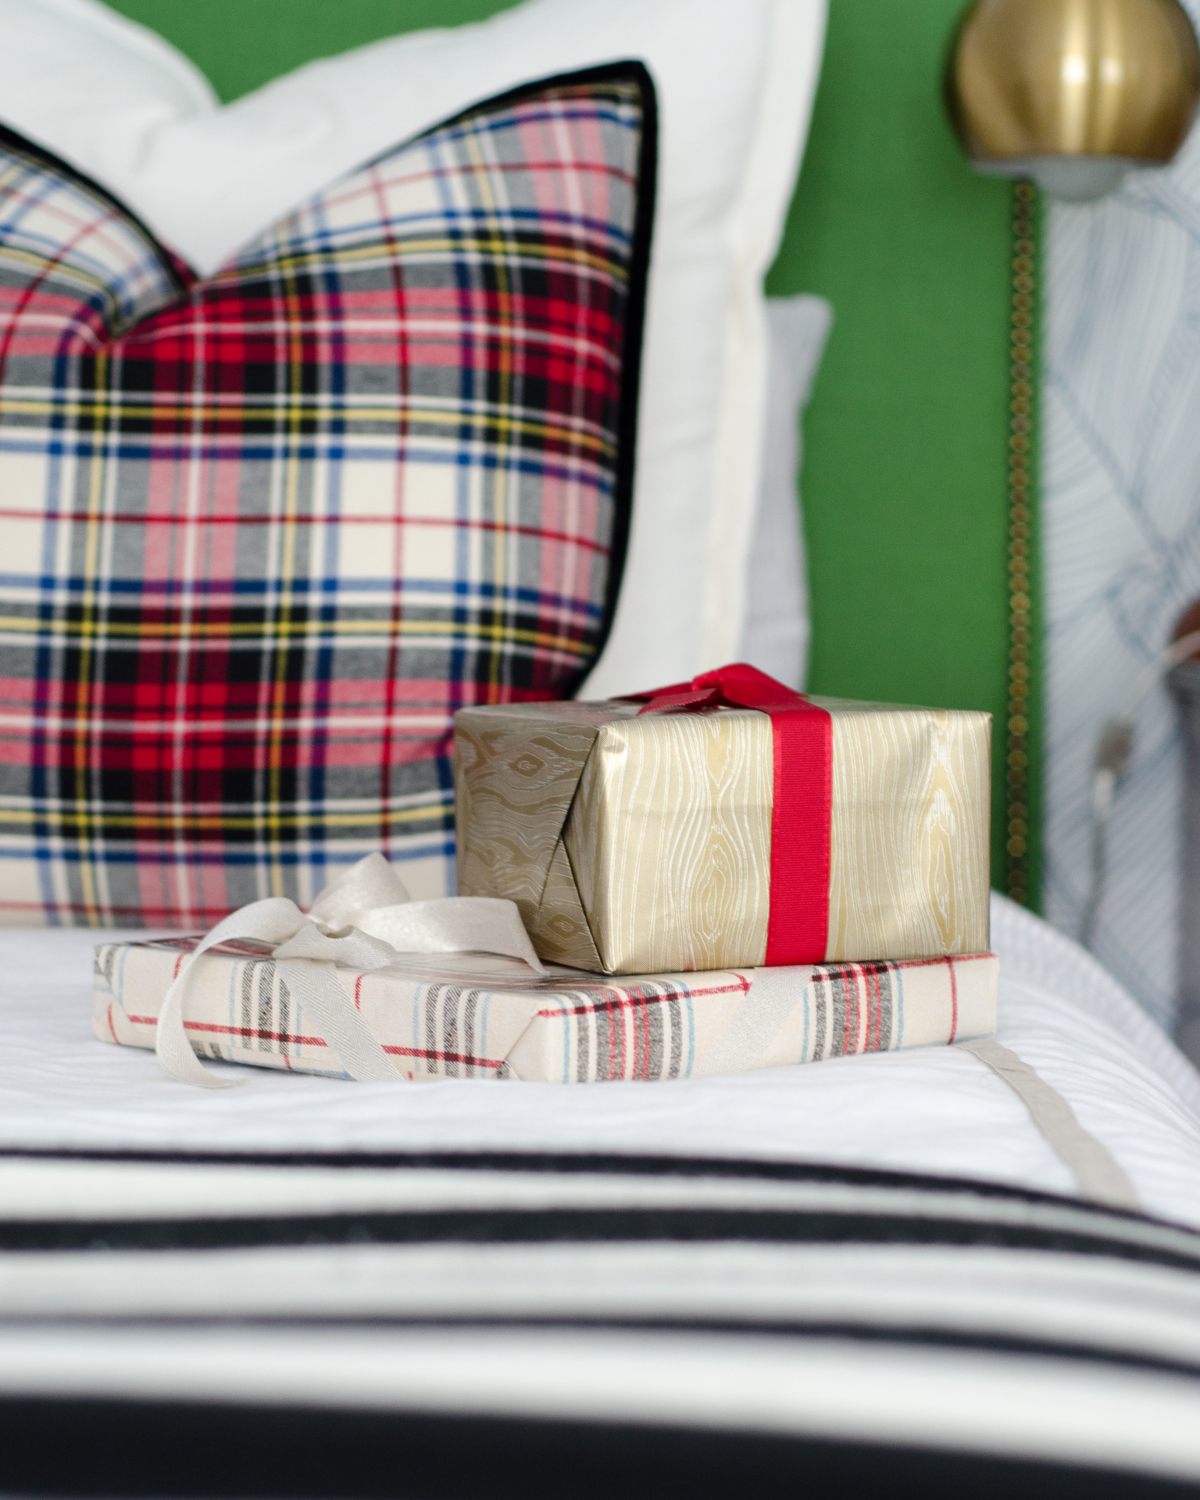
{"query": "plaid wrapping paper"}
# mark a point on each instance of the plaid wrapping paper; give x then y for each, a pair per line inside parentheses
(466, 1016)
(264, 534)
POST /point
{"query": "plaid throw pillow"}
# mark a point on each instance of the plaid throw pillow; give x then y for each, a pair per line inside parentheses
(263, 534)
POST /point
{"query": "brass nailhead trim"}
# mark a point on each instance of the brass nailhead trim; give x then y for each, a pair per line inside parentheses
(1020, 486)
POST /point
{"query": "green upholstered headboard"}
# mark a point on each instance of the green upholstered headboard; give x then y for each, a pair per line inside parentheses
(907, 436)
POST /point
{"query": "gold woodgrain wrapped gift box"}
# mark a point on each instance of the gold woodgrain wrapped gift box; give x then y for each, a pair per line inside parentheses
(638, 842)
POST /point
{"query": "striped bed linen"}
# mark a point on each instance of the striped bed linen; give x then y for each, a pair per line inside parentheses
(536, 1324)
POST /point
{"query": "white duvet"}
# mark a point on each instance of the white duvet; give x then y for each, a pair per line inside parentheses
(936, 1110)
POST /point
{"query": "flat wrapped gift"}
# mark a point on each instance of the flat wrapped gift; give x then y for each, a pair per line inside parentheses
(483, 1016)
(728, 822)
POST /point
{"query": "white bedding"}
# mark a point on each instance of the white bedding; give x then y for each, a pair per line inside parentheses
(937, 1111)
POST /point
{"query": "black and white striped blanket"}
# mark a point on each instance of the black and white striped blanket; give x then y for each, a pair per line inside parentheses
(304, 1287)
(533, 1324)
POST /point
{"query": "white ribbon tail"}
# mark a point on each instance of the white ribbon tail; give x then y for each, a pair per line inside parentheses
(307, 965)
(330, 1012)
(269, 921)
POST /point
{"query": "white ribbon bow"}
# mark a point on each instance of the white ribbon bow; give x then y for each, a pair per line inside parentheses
(364, 919)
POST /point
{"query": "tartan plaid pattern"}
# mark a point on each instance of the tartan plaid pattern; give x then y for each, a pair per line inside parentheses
(856, 1008)
(263, 534)
(468, 1017)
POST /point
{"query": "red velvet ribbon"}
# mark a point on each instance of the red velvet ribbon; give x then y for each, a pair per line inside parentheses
(798, 923)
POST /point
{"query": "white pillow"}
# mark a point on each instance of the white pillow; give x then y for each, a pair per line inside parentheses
(735, 80)
(92, 86)
(777, 630)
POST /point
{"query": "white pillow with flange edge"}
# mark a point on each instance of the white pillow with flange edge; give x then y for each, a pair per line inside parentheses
(735, 81)
(776, 633)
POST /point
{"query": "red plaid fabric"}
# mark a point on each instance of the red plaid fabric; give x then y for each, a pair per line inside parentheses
(263, 534)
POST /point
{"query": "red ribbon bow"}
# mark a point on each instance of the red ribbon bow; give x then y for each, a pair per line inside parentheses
(798, 924)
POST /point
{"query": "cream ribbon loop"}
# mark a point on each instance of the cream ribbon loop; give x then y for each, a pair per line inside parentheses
(362, 920)
(447, 926)
(370, 883)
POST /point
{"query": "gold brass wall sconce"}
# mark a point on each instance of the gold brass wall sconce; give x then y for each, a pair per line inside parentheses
(1073, 93)
(1069, 95)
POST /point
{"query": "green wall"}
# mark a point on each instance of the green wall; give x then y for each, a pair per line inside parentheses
(904, 476)
(906, 440)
